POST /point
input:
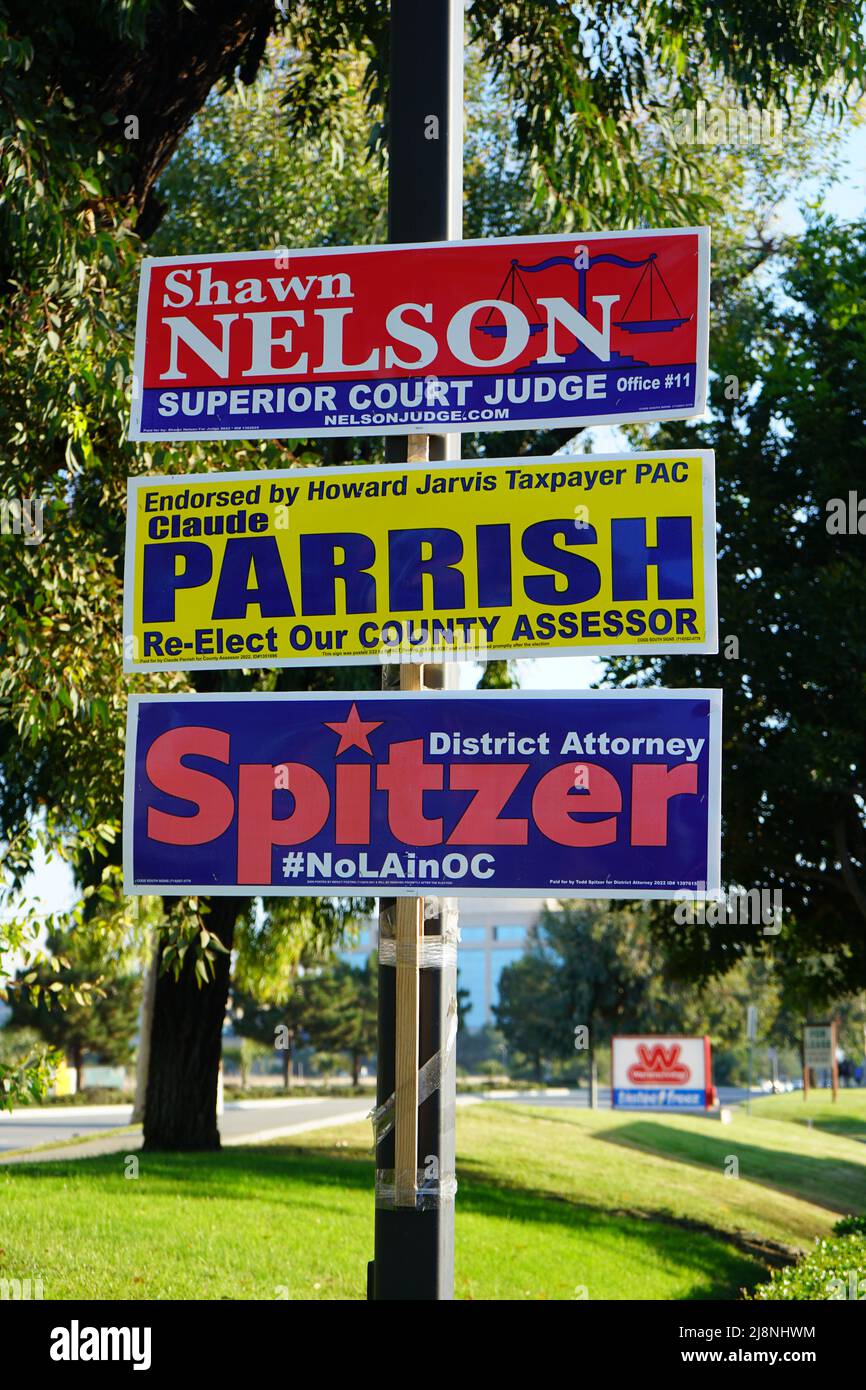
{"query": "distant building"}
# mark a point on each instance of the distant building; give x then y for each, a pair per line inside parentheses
(492, 935)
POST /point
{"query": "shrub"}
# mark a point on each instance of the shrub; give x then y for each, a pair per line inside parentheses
(835, 1269)
(851, 1226)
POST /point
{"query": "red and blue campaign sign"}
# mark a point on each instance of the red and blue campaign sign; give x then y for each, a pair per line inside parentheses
(584, 794)
(448, 336)
(661, 1073)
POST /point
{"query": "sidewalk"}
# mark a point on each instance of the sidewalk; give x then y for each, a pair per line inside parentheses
(235, 1129)
(127, 1141)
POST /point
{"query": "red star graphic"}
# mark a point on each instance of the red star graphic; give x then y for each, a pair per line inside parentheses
(354, 732)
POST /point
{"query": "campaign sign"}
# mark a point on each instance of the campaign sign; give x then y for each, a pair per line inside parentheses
(587, 794)
(660, 1073)
(438, 337)
(466, 560)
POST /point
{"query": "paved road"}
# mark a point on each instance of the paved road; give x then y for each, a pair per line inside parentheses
(728, 1095)
(241, 1122)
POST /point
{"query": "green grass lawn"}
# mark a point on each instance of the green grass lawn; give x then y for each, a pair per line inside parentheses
(551, 1202)
(847, 1115)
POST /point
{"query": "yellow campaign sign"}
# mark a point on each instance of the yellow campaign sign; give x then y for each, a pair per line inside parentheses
(388, 563)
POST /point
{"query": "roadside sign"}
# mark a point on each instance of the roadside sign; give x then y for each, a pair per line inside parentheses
(609, 794)
(660, 1073)
(474, 560)
(819, 1047)
(508, 333)
(751, 1023)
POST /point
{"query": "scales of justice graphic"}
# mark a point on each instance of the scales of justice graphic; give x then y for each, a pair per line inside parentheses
(657, 292)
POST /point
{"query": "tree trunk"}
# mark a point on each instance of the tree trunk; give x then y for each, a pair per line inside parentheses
(164, 81)
(186, 1045)
(78, 1063)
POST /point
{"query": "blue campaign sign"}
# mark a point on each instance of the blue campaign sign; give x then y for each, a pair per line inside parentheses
(584, 794)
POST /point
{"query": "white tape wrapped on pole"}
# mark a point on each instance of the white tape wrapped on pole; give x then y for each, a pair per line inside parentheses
(428, 1079)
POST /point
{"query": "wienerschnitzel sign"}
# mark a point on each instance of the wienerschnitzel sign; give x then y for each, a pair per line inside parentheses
(660, 1073)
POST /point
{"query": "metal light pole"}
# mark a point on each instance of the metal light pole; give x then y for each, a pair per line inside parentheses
(751, 1034)
(416, 1067)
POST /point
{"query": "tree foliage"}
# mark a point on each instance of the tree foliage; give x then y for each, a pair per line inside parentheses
(608, 970)
(98, 1001)
(330, 1007)
(342, 1012)
(589, 81)
(95, 98)
(584, 967)
(787, 428)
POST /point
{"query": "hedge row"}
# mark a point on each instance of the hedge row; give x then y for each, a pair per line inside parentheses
(835, 1269)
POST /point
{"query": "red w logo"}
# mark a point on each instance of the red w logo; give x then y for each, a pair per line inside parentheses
(658, 1065)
